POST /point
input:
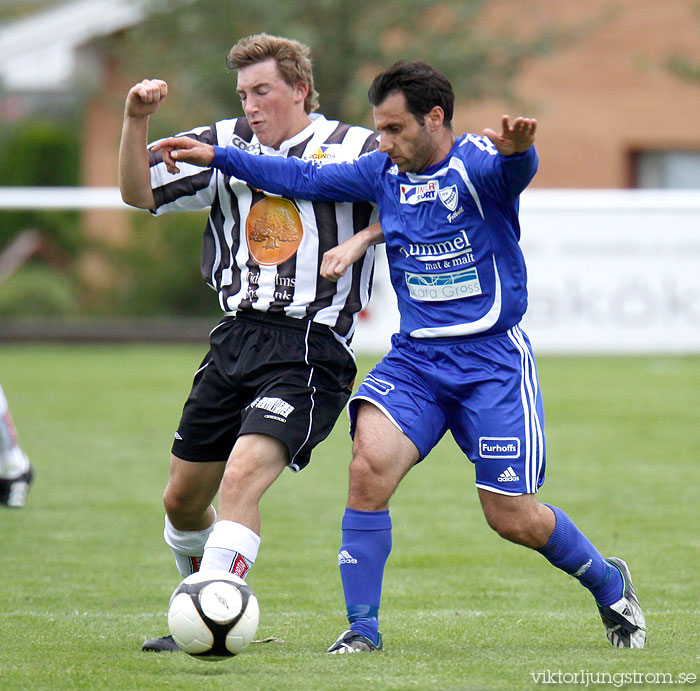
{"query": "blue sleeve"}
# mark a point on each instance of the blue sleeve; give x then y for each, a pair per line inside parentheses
(352, 181)
(503, 177)
(518, 170)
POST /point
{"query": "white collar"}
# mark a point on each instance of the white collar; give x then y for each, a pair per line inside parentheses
(317, 120)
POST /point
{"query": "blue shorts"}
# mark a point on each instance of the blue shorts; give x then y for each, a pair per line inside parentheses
(484, 390)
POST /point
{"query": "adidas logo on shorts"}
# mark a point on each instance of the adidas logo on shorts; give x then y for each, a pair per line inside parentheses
(508, 475)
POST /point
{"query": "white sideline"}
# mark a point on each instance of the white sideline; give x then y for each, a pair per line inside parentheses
(534, 199)
(611, 272)
(31, 198)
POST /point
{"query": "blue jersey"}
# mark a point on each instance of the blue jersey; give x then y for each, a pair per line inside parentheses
(452, 232)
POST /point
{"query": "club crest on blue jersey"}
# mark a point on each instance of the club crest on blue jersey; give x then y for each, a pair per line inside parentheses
(415, 194)
(449, 196)
(499, 447)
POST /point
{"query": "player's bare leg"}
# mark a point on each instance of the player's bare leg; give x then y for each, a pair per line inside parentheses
(231, 543)
(547, 529)
(189, 513)
(255, 463)
(189, 519)
(382, 455)
(190, 492)
(520, 519)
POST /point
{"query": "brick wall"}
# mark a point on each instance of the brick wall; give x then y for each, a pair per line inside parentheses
(605, 94)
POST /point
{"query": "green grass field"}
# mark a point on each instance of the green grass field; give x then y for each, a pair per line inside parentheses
(86, 576)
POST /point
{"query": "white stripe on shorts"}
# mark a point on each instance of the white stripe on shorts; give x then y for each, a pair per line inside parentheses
(292, 464)
(534, 438)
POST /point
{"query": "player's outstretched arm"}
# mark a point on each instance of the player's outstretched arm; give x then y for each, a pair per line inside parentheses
(142, 101)
(513, 139)
(290, 177)
(336, 261)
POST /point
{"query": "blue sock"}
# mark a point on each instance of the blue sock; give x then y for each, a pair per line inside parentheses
(570, 550)
(363, 553)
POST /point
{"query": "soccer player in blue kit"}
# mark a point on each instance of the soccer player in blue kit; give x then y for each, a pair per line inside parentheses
(448, 208)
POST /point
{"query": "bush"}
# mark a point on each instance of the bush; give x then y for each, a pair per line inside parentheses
(37, 153)
(156, 274)
(160, 269)
(38, 290)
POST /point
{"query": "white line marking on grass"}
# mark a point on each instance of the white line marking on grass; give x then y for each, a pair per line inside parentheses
(395, 615)
(87, 615)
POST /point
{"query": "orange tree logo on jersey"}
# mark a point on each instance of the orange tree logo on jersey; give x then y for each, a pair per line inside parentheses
(273, 230)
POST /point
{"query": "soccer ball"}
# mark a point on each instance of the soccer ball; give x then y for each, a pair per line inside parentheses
(213, 615)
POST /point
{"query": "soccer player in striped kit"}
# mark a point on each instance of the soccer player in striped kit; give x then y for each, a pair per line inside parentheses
(279, 370)
(448, 209)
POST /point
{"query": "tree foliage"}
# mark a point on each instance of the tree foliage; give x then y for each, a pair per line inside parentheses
(350, 42)
(683, 66)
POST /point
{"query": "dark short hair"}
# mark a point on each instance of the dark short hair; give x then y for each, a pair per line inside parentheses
(422, 85)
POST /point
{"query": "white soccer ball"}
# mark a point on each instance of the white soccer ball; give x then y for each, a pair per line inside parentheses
(213, 615)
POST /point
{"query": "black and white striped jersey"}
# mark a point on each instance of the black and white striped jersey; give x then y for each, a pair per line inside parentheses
(264, 252)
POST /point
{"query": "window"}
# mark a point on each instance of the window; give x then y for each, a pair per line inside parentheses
(666, 169)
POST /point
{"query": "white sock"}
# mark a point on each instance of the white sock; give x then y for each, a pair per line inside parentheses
(187, 546)
(13, 462)
(231, 547)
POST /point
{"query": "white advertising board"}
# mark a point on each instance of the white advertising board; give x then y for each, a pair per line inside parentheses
(609, 271)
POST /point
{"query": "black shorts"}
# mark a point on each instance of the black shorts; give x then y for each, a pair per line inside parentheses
(265, 374)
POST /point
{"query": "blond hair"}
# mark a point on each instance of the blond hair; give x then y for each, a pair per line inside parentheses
(292, 58)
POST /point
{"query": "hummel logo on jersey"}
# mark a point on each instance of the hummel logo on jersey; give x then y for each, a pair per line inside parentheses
(346, 558)
(508, 475)
(499, 447)
(457, 246)
(177, 436)
(415, 194)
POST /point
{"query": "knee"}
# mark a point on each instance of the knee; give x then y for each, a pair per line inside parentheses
(368, 491)
(234, 479)
(186, 503)
(522, 524)
(528, 528)
(364, 471)
(251, 469)
(508, 527)
(178, 505)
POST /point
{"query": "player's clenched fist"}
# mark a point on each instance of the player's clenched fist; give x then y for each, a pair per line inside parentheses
(145, 98)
